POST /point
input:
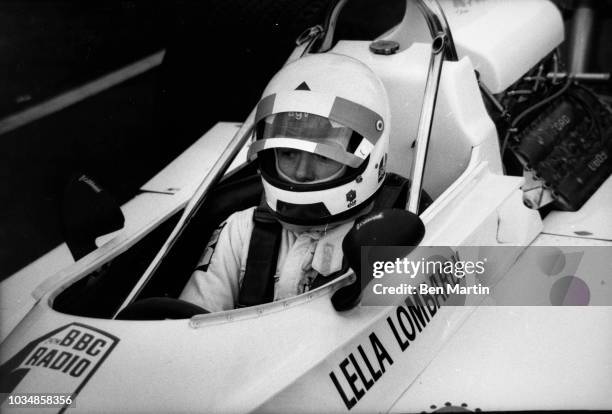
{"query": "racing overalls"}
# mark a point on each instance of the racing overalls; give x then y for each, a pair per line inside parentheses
(215, 284)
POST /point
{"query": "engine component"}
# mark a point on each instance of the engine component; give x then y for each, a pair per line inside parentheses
(588, 175)
(539, 138)
(566, 151)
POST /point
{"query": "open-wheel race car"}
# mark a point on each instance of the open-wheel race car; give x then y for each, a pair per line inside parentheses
(482, 121)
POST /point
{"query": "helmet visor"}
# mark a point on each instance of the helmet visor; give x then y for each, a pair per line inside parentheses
(296, 165)
(301, 131)
(305, 126)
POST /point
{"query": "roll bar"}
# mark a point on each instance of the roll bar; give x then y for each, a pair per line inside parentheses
(431, 10)
(214, 175)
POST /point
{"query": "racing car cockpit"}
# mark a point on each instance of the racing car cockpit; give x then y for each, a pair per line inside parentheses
(319, 83)
(321, 150)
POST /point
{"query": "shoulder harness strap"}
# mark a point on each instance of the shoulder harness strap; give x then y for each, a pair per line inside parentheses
(394, 193)
(258, 282)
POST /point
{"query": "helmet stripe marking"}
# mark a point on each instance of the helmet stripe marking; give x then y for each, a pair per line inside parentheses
(350, 114)
(265, 107)
(357, 117)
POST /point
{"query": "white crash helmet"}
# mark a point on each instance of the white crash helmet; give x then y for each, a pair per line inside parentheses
(306, 106)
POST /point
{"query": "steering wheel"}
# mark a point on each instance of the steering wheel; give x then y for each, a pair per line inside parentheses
(158, 308)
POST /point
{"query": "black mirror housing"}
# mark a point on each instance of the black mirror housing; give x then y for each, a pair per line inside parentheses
(88, 211)
(388, 227)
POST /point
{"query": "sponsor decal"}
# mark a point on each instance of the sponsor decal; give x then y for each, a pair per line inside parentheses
(366, 364)
(351, 198)
(85, 179)
(381, 168)
(359, 371)
(465, 6)
(61, 361)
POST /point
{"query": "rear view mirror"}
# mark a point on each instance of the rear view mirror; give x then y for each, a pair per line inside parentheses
(88, 211)
(389, 227)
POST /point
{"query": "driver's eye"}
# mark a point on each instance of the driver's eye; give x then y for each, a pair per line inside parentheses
(322, 159)
(288, 153)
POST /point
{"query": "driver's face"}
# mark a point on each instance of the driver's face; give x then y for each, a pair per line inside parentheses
(304, 167)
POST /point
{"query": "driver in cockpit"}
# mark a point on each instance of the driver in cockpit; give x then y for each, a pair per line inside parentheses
(321, 143)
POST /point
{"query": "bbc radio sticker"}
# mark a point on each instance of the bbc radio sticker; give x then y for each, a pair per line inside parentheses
(60, 362)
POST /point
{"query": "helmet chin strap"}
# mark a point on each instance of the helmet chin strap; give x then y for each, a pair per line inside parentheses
(285, 177)
(299, 228)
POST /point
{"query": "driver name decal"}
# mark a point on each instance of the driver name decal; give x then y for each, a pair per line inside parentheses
(61, 361)
(365, 367)
(367, 363)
